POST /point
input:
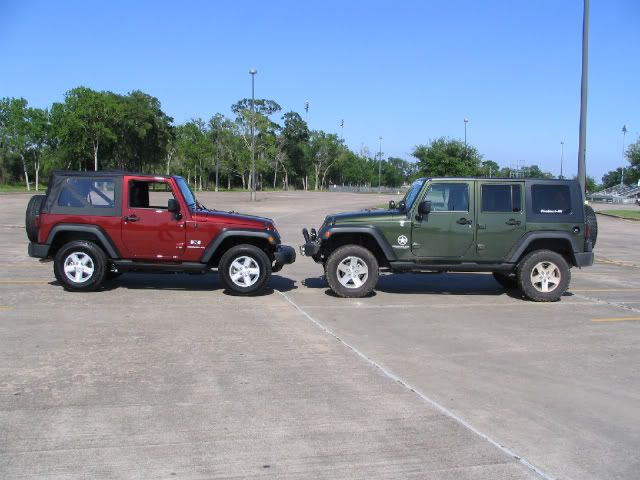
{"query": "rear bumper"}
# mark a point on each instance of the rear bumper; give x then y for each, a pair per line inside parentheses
(284, 255)
(584, 259)
(38, 250)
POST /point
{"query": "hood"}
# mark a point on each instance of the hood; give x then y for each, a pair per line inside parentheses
(363, 216)
(218, 216)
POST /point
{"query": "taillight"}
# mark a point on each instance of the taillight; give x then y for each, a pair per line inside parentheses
(587, 232)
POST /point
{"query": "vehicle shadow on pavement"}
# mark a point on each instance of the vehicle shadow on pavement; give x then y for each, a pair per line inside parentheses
(207, 282)
(424, 283)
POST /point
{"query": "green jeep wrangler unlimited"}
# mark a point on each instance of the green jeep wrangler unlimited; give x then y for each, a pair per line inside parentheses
(528, 233)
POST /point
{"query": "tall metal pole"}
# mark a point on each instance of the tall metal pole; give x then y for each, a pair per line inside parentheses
(582, 167)
(624, 134)
(466, 120)
(561, 158)
(253, 72)
(380, 167)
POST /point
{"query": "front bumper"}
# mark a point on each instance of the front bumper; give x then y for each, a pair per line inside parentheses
(38, 250)
(284, 255)
(311, 247)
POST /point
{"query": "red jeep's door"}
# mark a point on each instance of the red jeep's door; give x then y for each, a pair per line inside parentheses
(149, 230)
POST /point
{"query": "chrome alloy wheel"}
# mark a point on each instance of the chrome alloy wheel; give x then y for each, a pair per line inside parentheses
(545, 277)
(78, 267)
(352, 272)
(244, 271)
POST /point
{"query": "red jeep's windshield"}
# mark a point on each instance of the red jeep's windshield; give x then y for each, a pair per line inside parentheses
(187, 194)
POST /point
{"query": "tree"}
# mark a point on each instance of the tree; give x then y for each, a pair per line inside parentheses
(612, 178)
(15, 129)
(633, 157)
(87, 119)
(534, 171)
(324, 149)
(38, 136)
(445, 157)
(489, 168)
(295, 133)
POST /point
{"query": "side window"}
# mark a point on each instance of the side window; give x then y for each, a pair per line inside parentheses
(87, 193)
(149, 194)
(448, 197)
(501, 198)
(551, 199)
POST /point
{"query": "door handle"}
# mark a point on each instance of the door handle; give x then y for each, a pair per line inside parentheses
(512, 221)
(131, 218)
(464, 221)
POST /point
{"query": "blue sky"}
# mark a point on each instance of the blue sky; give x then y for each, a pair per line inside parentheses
(407, 71)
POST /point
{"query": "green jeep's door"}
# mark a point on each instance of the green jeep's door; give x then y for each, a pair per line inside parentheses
(501, 219)
(448, 231)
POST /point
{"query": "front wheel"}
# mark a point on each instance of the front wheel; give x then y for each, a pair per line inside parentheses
(352, 271)
(244, 269)
(80, 266)
(544, 276)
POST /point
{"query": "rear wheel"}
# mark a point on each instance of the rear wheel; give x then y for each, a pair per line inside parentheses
(33, 210)
(352, 271)
(80, 266)
(544, 276)
(245, 269)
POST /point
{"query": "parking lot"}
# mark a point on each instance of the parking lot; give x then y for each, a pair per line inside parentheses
(441, 376)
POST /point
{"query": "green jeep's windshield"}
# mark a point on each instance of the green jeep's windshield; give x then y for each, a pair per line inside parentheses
(412, 193)
(187, 194)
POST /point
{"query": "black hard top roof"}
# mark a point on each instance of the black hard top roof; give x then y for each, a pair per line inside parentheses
(503, 179)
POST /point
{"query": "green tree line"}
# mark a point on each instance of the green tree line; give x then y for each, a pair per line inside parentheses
(91, 130)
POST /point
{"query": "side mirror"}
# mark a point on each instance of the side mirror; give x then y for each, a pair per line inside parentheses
(173, 205)
(392, 204)
(424, 208)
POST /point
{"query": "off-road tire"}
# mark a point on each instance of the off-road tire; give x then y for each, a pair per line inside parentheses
(33, 210)
(591, 220)
(91, 256)
(258, 259)
(342, 254)
(509, 281)
(537, 261)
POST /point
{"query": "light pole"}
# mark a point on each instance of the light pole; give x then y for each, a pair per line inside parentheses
(466, 120)
(624, 134)
(561, 158)
(582, 167)
(253, 72)
(380, 167)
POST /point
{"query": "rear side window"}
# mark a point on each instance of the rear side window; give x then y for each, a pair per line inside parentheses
(551, 199)
(501, 198)
(87, 193)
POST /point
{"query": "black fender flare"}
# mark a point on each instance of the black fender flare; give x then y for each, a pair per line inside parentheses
(367, 230)
(236, 232)
(523, 243)
(100, 234)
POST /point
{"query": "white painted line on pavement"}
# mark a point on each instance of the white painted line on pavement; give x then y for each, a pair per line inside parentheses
(424, 397)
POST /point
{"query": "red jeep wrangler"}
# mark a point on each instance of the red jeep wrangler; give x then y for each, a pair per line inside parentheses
(96, 225)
